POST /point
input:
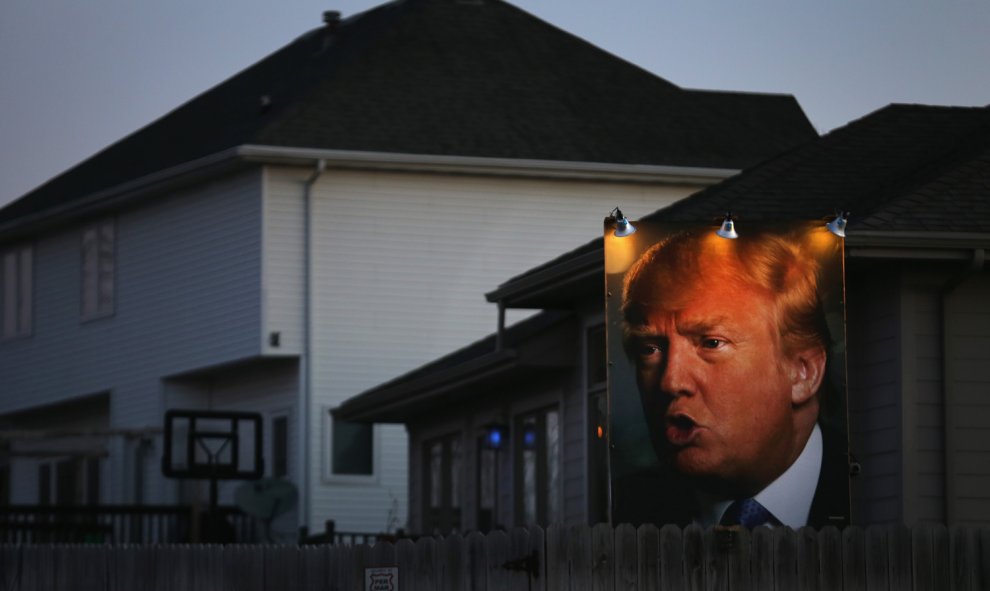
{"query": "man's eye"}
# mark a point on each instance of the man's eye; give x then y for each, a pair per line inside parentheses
(648, 350)
(710, 343)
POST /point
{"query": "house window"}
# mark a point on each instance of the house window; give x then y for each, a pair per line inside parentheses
(16, 270)
(280, 446)
(352, 448)
(76, 482)
(595, 361)
(537, 463)
(98, 270)
(444, 466)
(45, 484)
(487, 485)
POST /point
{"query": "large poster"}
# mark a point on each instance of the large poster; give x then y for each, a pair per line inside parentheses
(727, 375)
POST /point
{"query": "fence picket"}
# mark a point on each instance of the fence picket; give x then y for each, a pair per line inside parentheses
(808, 559)
(603, 557)
(854, 559)
(537, 545)
(649, 557)
(940, 557)
(580, 557)
(498, 554)
(981, 567)
(740, 578)
(694, 559)
(671, 558)
(921, 558)
(575, 558)
(830, 559)
(762, 558)
(715, 566)
(876, 558)
(785, 558)
(626, 557)
(475, 563)
(314, 568)
(405, 557)
(558, 567)
(899, 552)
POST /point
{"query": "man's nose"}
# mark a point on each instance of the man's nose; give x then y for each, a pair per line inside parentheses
(677, 378)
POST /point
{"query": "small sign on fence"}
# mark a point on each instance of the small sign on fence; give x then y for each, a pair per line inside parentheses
(381, 579)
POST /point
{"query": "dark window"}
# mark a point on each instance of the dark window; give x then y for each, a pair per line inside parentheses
(45, 484)
(597, 458)
(487, 485)
(93, 481)
(66, 482)
(4, 484)
(596, 358)
(280, 447)
(537, 464)
(443, 471)
(352, 448)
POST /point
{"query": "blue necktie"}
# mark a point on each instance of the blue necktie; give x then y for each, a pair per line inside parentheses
(747, 513)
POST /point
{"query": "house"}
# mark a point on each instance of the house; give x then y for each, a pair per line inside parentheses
(320, 222)
(917, 181)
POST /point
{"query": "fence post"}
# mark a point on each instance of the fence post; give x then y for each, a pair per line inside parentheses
(558, 568)
(580, 557)
(476, 563)
(830, 558)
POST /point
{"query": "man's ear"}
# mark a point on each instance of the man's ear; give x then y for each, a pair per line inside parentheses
(807, 373)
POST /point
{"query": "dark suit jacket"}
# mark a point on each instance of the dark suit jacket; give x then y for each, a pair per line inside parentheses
(661, 496)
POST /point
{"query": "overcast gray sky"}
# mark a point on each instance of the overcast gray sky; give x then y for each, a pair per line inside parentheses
(77, 75)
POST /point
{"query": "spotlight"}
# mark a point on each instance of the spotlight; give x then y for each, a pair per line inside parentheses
(838, 225)
(728, 229)
(622, 226)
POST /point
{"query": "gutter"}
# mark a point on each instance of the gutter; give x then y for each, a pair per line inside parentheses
(304, 361)
(352, 159)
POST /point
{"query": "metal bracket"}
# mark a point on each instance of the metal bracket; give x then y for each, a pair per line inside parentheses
(528, 564)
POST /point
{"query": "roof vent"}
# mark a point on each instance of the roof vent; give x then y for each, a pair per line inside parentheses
(331, 18)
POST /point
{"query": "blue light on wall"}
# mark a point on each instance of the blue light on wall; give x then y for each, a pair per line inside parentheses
(496, 436)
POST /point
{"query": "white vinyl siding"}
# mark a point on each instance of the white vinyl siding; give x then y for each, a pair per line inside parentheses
(401, 262)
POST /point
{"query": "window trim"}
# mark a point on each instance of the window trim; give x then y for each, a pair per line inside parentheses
(99, 311)
(328, 476)
(23, 321)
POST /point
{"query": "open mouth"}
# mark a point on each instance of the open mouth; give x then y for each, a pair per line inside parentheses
(681, 429)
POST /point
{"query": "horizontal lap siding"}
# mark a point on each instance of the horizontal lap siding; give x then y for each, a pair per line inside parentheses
(968, 392)
(401, 265)
(187, 283)
(873, 337)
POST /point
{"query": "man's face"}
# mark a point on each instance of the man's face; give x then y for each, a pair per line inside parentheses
(715, 386)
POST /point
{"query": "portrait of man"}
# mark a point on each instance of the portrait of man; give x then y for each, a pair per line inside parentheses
(730, 348)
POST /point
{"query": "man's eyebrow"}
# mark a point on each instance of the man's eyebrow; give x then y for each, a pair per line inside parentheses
(704, 325)
(643, 332)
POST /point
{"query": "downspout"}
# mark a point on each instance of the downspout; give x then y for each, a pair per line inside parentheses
(976, 265)
(305, 367)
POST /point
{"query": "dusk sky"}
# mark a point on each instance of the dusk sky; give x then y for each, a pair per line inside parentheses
(77, 75)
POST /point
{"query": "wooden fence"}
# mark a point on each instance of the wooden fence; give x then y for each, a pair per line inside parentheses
(115, 524)
(571, 558)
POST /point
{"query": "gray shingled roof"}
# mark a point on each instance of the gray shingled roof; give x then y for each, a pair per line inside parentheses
(903, 168)
(447, 77)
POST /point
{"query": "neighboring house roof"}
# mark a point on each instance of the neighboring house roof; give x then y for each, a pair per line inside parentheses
(914, 171)
(477, 370)
(441, 77)
(905, 169)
